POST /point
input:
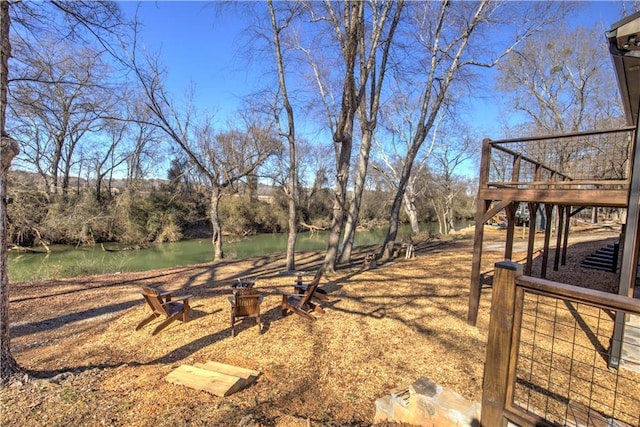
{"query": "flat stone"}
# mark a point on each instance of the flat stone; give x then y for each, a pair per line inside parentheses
(384, 409)
(452, 401)
(428, 405)
(425, 387)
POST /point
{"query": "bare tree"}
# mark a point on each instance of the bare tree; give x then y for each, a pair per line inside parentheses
(108, 156)
(59, 96)
(347, 26)
(446, 184)
(367, 46)
(560, 85)
(288, 131)
(398, 119)
(8, 150)
(223, 159)
(629, 7)
(385, 17)
(314, 195)
(146, 144)
(443, 32)
(563, 88)
(101, 19)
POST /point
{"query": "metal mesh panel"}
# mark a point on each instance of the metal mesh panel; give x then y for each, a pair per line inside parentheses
(562, 371)
(585, 156)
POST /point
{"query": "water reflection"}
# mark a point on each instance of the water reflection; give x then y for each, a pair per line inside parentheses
(69, 261)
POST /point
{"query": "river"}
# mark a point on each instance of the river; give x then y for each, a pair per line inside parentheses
(68, 261)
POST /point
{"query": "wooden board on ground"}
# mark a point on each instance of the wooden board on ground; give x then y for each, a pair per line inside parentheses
(213, 377)
(248, 375)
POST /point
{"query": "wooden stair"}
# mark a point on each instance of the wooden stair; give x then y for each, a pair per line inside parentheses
(605, 259)
(213, 377)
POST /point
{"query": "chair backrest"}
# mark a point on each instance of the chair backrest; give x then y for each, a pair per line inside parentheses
(311, 288)
(247, 302)
(317, 276)
(155, 301)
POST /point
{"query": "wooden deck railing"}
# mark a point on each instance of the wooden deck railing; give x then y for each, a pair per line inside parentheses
(566, 173)
(547, 355)
(591, 157)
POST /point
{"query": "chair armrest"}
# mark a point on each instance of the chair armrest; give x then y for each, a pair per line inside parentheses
(289, 294)
(316, 295)
(166, 295)
(176, 299)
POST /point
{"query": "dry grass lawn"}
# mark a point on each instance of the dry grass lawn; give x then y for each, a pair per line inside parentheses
(382, 328)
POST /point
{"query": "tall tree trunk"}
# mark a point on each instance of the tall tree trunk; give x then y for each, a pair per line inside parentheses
(110, 183)
(411, 211)
(392, 232)
(343, 136)
(370, 71)
(66, 176)
(55, 166)
(394, 219)
(340, 198)
(98, 187)
(290, 134)
(293, 232)
(57, 154)
(8, 150)
(430, 107)
(358, 189)
(449, 214)
(440, 219)
(216, 227)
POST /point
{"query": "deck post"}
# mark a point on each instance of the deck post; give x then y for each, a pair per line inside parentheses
(565, 241)
(499, 343)
(510, 211)
(559, 234)
(476, 282)
(482, 206)
(533, 215)
(548, 211)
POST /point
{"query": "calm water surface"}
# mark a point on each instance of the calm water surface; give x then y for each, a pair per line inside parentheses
(69, 261)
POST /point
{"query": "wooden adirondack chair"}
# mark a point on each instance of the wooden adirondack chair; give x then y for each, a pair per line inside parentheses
(301, 287)
(245, 302)
(164, 304)
(300, 302)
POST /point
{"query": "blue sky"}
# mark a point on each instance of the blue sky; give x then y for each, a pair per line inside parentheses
(203, 45)
(199, 45)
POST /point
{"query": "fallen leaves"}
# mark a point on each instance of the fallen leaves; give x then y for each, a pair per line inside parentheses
(382, 328)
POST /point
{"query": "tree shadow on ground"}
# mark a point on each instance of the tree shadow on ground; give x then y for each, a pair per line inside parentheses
(204, 281)
(192, 347)
(180, 353)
